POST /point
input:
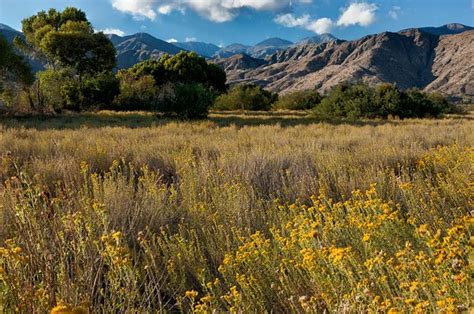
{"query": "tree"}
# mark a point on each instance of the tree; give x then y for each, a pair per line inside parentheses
(186, 100)
(136, 93)
(185, 85)
(66, 40)
(185, 67)
(15, 72)
(246, 97)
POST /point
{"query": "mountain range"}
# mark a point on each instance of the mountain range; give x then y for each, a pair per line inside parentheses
(431, 58)
(428, 58)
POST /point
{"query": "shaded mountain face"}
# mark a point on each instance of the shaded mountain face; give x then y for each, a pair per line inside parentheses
(203, 49)
(231, 50)
(239, 62)
(268, 47)
(139, 47)
(261, 50)
(410, 58)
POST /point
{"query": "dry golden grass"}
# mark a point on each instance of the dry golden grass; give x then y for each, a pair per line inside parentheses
(244, 212)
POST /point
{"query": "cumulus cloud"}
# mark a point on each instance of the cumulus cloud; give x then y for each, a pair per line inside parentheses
(321, 26)
(114, 31)
(214, 10)
(172, 40)
(358, 13)
(140, 9)
(318, 26)
(190, 39)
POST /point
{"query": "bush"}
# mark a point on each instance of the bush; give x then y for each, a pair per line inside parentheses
(52, 85)
(185, 67)
(136, 93)
(186, 101)
(300, 100)
(362, 101)
(245, 97)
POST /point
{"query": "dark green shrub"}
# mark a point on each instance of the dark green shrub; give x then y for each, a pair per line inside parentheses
(300, 100)
(186, 100)
(99, 90)
(361, 101)
(245, 97)
(389, 100)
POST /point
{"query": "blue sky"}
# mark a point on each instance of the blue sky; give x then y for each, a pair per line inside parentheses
(249, 21)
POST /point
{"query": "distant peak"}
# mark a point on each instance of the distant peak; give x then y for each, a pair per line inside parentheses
(274, 41)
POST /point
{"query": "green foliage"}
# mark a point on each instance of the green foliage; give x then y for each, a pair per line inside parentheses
(100, 90)
(68, 39)
(136, 93)
(299, 100)
(362, 101)
(15, 72)
(183, 85)
(185, 67)
(245, 97)
(186, 100)
(53, 87)
(81, 62)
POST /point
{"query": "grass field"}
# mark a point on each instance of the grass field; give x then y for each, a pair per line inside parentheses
(241, 212)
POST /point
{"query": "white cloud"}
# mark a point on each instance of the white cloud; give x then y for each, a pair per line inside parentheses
(190, 39)
(318, 26)
(321, 26)
(172, 40)
(114, 31)
(214, 10)
(395, 12)
(358, 13)
(140, 9)
(289, 20)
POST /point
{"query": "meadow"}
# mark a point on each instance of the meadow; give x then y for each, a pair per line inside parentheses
(243, 213)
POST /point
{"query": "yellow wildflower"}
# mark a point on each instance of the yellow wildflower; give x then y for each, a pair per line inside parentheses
(191, 294)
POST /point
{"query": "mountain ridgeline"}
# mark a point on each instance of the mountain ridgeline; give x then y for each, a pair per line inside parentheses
(430, 58)
(433, 59)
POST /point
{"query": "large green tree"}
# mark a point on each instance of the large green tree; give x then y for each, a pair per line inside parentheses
(66, 41)
(185, 67)
(15, 72)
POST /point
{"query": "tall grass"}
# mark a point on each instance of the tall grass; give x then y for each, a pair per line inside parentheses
(287, 216)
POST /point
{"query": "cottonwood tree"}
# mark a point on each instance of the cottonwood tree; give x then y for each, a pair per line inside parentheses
(67, 40)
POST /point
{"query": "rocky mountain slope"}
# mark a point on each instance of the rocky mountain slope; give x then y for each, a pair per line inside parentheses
(204, 49)
(410, 58)
(139, 47)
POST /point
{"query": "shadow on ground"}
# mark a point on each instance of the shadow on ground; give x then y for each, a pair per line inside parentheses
(135, 120)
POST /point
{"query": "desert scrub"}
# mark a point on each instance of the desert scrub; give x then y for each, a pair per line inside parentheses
(207, 216)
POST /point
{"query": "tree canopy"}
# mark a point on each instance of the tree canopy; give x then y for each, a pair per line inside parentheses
(185, 67)
(67, 39)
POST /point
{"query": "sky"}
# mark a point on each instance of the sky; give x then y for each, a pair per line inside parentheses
(224, 22)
